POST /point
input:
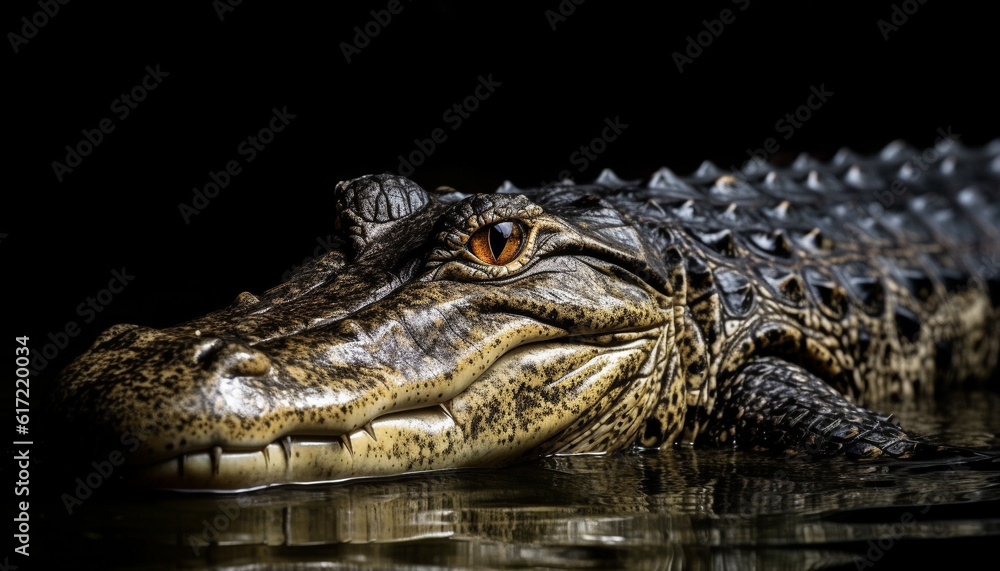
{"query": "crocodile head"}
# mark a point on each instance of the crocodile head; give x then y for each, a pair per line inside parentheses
(449, 331)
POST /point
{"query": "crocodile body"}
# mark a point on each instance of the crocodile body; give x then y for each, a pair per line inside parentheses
(760, 310)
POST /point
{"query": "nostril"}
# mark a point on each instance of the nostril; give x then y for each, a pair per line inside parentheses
(231, 358)
(245, 363)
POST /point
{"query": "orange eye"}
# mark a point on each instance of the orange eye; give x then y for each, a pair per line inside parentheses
(497, 244)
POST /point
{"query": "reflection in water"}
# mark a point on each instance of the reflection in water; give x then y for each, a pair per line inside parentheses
(685, 509)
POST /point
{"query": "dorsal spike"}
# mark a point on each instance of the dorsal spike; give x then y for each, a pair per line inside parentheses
(897, 150)
(822, 182)
(950, 146)
(720, 241)
(805, 161)
(774, 243)
(756, 166)
(507, 187)
(970, 197)
(707, 169)
(908, 172)
(781, 210)
(814, 240)
(730, 188)
(846, 156)
(862, 179)
(949, 164)
(609, 178)
(815, 182)
(726, 181)
(663, 178)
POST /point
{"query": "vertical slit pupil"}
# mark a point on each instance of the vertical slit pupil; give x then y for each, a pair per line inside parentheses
(499, 234)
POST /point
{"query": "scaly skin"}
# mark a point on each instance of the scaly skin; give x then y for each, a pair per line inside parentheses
(759, 311)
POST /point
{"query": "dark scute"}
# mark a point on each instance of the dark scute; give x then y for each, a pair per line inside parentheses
(830, 296)
(737, 291)
(699, 275)
(784, 283)
(774, 243)
(865, 286)
(720, 241)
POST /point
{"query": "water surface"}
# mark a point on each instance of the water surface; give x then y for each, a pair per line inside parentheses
(682, 509)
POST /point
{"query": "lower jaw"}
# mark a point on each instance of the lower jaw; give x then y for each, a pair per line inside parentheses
(374, 451)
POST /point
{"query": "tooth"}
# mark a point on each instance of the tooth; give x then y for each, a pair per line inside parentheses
(446, 407)
(368, 429)
(216, 459)
(345, 441)
(267, 456)
(286, 445)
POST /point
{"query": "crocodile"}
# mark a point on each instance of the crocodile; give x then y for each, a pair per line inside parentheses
(772, 309)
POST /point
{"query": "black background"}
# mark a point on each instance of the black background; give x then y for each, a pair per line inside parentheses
(119, 208)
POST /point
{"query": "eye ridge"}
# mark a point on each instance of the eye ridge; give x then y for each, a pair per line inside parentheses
(497, 244)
